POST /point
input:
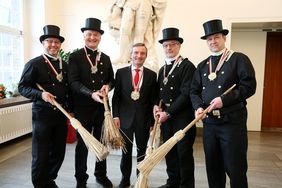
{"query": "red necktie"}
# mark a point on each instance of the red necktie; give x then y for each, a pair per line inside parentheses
(136, 77)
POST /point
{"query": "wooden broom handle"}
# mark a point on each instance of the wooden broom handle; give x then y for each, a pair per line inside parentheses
(105, 101)
(155, 125)
(56, 103)
(204, 112)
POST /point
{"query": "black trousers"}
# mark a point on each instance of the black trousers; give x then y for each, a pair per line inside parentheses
(225, 145)
(141, 134)
(92, 120)
(49, 132)
(180, 159)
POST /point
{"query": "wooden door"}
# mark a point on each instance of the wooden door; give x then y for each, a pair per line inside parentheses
(272, 92)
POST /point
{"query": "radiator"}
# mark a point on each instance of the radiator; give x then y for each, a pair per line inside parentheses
(15, 121)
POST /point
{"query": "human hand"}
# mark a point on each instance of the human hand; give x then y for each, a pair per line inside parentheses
(48, 97)
(97, 96)
(215, 104)
(163, 116)
(199, 112)
(156, 109)
(105, 89)
(117, 122)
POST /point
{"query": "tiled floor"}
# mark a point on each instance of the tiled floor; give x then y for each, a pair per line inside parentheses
(264, 157)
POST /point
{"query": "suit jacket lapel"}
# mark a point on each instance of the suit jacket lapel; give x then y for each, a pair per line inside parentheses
(145, 76)
(129, 79)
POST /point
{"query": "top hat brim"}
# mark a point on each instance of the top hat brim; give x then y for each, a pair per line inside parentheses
(87, 28)
(179, 39)
(224, 32)
(43, 37)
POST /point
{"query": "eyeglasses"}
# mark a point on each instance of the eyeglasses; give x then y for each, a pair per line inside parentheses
(89, 34)
(50, 41)
(171, 44)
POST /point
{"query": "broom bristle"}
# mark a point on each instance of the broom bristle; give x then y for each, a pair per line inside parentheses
(157, 138)
(111, 136)
(94, 145)
(154, 158)
(142, 181)
(91, 142)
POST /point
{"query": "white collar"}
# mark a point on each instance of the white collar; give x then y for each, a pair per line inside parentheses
(133, 68)
(169, 60)
(218, 53)
(93, 50)
(52, 57)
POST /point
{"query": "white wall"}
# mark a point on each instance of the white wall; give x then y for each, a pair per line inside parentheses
(70, 15)
(253, 44)
(188, 16)
(33, 24)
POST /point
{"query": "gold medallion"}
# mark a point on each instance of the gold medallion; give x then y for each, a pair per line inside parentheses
(94, 69)
(212, 76)
(59, 77)
(135, 95)
(165, 80)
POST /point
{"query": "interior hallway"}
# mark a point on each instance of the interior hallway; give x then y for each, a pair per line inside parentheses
(264, 157)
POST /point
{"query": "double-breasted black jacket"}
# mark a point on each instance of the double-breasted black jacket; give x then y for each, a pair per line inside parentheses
(175, 94)
(38, 71)
(82, 81)
(236, 70)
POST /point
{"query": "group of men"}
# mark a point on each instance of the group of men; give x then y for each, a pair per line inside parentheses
(185, 92)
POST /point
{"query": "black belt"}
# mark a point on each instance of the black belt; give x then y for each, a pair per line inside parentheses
(226, 110)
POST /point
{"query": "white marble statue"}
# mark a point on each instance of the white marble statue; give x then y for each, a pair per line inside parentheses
(134, 21)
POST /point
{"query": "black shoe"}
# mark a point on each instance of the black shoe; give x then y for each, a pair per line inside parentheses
(105, 182)
(168, 186)
(80, 185)
(124, 184)
(52, 184)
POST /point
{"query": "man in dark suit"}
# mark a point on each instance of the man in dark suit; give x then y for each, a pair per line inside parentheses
(90, 74)
(174, 88)
(49, 128)
(133, 101)
(225, 130)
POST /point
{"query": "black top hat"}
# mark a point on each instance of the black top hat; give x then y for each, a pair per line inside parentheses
(51, 31)
(171, 34)
(93, 24)
(212, 27)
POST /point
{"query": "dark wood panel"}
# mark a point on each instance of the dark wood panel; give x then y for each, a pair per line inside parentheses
(272, 103)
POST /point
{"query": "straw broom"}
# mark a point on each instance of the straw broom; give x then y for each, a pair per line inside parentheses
(142, 180)
(149, 163)
(157, 138)
(91, 142)
(154, 135)
(111, 136)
